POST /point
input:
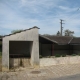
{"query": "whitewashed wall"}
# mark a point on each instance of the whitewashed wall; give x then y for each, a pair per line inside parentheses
(60, 60)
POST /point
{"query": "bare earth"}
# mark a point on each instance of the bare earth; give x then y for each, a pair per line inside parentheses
(45, 73)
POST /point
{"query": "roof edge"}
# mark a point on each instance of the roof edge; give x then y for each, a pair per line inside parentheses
(70, 41)
(21, 31)
(35, 27)
(48, 39)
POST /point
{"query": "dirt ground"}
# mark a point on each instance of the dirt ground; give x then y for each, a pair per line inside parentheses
(0, 64)
(45, 73)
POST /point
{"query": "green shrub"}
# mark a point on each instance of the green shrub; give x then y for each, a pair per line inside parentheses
(64, 55)
(57, 55)
(74, 54)
(60, 55)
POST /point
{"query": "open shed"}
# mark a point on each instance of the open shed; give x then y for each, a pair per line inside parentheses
(19, 47)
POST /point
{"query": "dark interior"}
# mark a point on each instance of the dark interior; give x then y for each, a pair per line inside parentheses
(19, 49)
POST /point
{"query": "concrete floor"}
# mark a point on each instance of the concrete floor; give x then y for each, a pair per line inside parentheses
(44, 73)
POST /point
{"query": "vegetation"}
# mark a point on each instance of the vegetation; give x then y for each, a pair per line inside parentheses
(58, 33)
(15, 31)
(59, 55)
(68, 32)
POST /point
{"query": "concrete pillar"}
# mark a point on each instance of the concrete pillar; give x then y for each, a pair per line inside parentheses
(35, 54)
(5, 56)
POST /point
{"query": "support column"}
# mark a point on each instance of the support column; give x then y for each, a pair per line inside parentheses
(5, 56)
(35, 54)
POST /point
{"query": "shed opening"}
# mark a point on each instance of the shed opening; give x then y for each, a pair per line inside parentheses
(20, 53)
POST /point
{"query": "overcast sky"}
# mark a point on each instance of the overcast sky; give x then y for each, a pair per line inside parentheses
(46, 14)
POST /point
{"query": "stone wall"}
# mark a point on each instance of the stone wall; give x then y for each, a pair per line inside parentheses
(60, 60)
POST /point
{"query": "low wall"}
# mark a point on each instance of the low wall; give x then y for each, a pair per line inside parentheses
(60, 60)
(17, 62)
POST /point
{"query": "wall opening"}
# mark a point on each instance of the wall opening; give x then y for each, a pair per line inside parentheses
(20, 53)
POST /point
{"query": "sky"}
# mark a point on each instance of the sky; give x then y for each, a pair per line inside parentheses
(45, 14)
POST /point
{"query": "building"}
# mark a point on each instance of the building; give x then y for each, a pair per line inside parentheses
(18, 47)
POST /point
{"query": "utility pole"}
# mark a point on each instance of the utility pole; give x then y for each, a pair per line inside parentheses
(61, 22)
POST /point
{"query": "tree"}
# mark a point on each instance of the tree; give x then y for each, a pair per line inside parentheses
(67, 32)
(58, 33)
(15, 31)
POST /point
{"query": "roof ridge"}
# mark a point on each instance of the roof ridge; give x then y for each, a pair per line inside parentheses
(70, 40)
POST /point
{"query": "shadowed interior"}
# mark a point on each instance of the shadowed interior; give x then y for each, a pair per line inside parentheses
(19, 49)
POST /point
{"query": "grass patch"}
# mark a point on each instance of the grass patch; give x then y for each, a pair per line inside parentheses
(60, 55)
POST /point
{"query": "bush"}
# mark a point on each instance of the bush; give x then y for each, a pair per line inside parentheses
(64, 55)
(57, 55)
(74, 54)
(60, 55)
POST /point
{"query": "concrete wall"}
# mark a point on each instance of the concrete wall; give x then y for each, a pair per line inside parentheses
(17, 62)
(60, 60)
(28, 35)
